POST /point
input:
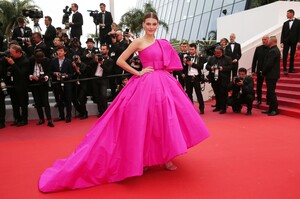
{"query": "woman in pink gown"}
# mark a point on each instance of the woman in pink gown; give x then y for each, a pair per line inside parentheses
(149, 123)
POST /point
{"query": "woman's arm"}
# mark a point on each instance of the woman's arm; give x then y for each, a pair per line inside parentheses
(133, 47)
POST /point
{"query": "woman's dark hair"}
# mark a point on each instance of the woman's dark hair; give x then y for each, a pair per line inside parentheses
(151, 15)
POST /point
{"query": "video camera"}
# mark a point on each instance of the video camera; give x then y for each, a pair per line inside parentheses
(66, 17)
(5, 54)
(33, 13)
(94, 14)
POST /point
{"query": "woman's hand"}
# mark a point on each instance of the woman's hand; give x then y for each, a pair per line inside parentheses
(149, 69)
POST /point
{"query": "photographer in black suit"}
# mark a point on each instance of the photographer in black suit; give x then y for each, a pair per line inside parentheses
(50, 33)
(18, 67)
(290, 39)
(184, 46)
(39, 77)
(242, 92)
(22, 34)
(193, 74)
(101, 67)
(219, 67)
(271, 71)
(3, 92)
(62, 70)
(38, 43)
(77, 22)
(105, 21)
(258, 65)
(233, 50)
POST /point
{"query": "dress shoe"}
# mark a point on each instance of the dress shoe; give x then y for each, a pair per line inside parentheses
(68, 119)
(249, 112)
(22, 123)
(50, 124)
(83, 117)
(292, 71)
(273, 113)
(216, 110)
(59, 119)
(14, 123)
(40, 122)
(258, 103)
(285, 72)
(222, 112)
(2, 125)
(265, 112)
(201, 111)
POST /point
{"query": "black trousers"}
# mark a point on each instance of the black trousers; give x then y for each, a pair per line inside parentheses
(113, 84)
(221, 93)
(180, 79)
(194, 82)
(19, 101)
(271, 94)
(41, 99)
(100, 94)
(234, 70)
(286, 47)
(2, 107)
(64, 94)
(260, 81)
(238, 100)
(82, 97)
(75, 98)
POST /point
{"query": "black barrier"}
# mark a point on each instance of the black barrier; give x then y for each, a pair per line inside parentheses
(76, 80)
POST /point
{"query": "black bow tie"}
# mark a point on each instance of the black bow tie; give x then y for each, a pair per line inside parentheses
(232, 43)
(291, 20)
(192, 57)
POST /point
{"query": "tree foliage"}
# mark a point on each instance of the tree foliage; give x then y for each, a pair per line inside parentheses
(10, 11)
(133, 19)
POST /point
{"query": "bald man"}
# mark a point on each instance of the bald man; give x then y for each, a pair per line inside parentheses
(271, 71)
(257, 65)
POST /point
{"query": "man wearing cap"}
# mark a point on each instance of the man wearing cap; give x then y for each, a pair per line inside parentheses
(90, 51)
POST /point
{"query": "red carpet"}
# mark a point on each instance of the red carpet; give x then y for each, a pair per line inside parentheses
(246, 157)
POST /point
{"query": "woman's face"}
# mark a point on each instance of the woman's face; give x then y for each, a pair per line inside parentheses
(150, 26)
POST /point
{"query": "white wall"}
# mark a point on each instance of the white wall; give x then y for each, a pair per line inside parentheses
(249, 23)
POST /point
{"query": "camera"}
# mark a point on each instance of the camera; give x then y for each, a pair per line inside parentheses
(33, 14)
(94, 14)
(100, 57)
(188, 58)
(5, 54)
(238, 79)
(23, 39)
(3, 87)
(75, 58)
(126, 32)
(216, 72)
(42, 78)
(65, 20)
(136, 60)
(113, 36)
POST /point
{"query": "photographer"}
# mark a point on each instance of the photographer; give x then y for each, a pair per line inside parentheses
(219, 67)
(22, 34)
(105, 20)
(89, 52)
(3, 92)
(101, 67)
(38, 43)
(184, 46)
(242, 92)
(77, 22)
(76, 48)
(81, 88)
(136, 63)
(50, 33)
(62, 70)
(193, 73)
(39, 77)
(18, 71)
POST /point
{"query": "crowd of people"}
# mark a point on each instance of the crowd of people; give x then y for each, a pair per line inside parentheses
(57, 62)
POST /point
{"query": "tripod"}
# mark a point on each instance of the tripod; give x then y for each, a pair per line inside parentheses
(36, 26)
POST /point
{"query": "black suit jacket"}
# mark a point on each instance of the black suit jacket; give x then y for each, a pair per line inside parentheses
(107, 67)
(236, 53)
(272, 64)
(108, 20)
(259, 57)
(49, 36)
(199, 65)
(45, 65)
(290, 35)
(76, 28)
(20, 72)
(66, 68)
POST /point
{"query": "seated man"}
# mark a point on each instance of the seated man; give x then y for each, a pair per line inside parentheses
(242, 92)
